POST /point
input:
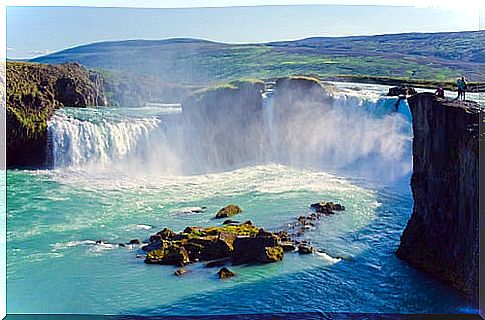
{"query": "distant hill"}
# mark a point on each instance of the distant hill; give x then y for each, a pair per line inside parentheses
(425, 56)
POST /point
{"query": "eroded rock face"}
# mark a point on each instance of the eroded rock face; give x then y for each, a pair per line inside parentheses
(442, 234)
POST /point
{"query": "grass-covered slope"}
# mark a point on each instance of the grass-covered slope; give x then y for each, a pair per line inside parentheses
(427, 56)
(34, 92)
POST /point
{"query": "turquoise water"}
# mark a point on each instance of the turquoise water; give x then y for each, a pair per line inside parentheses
(55, 216)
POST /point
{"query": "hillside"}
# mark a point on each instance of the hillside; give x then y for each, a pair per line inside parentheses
(423, 56)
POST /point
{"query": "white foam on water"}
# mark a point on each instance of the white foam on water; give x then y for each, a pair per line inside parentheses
(328, 258)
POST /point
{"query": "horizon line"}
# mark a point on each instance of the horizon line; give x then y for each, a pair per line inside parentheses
(235, 43)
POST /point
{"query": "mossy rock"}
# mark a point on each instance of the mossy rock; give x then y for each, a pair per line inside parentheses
(174, 254)
(228, 211)
(271, 254)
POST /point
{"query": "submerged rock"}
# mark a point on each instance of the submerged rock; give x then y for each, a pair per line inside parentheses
(225, 273)
(134, 241)
(180, 272)
(228, 211)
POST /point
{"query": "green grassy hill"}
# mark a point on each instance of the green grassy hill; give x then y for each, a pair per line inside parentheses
(415, 56)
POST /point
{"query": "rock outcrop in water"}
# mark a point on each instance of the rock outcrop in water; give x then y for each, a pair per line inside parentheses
(442, 235)
(34, 92)
(236, 243)
(243, 243)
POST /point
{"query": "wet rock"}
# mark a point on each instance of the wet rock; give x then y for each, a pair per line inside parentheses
(229, 221)
(166, 234)
(228, 211)
(121, 244)
(195, 230)
(304, 249)
(134, 241)
(172, 255)
(271, 254)
(155, 238)
(288, 246)
(251, 249)
(327, 207)
(225, 273)
(194, 250)
(180, 272)
(154, 245)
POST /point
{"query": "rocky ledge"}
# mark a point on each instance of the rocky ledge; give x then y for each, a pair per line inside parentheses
(441, 236)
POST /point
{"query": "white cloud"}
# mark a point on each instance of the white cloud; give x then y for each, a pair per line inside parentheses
(38, 52)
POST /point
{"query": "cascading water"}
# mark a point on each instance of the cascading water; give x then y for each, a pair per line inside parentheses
(354, 133)
(268, 120)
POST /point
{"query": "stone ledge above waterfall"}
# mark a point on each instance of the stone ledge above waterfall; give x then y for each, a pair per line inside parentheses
(441, 236)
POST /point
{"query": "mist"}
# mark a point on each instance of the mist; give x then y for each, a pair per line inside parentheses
(233, 128)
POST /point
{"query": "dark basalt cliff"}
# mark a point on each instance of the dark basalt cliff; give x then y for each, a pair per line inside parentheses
(34, 92)
(442, 235)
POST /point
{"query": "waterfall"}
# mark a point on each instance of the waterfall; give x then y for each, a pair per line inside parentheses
(269, 122)
(74, 142)
(352, 132)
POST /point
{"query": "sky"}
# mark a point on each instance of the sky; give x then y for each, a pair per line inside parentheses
(34, 31)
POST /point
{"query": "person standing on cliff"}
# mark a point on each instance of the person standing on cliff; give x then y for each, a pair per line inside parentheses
(461, 83)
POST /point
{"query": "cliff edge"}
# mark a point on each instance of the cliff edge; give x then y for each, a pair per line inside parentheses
(34, 92)
(442, 235)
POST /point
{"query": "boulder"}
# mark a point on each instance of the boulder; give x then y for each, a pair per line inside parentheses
(228, 211)
(251, 249)
(225, 273)
(134, 241)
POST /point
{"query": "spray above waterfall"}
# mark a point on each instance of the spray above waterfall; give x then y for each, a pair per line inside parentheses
(228, 130)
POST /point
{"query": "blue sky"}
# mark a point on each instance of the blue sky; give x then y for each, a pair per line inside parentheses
(34, 31)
